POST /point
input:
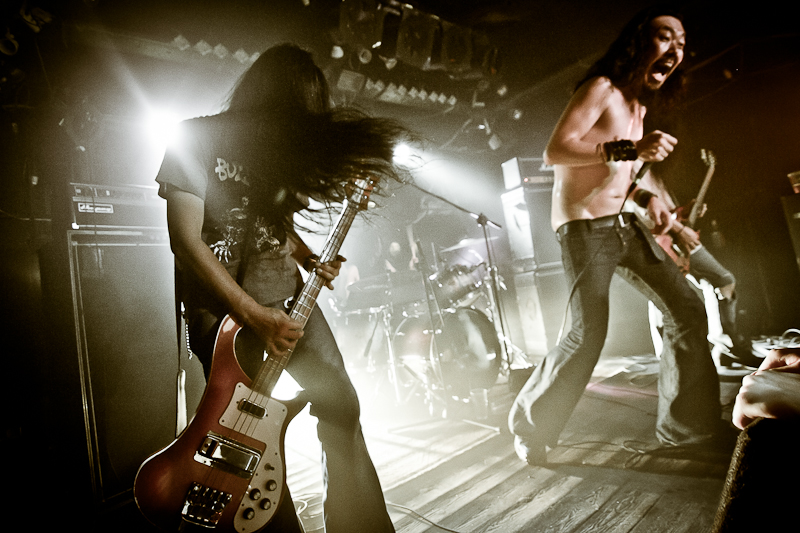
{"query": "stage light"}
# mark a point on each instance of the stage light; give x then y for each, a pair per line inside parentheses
(390, 62)
(337, 52)
(161, 127)
(406, 156)
(221, 51)
(203, 48)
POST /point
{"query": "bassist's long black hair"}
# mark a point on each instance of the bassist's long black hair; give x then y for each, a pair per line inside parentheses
(297, 144)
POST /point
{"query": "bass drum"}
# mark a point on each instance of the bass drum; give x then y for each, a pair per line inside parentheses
(468, 350)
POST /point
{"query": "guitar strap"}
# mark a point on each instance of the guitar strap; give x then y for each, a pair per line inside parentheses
(181, 411)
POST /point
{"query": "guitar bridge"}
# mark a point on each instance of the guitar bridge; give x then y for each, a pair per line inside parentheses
(203, 506)
(228, 455)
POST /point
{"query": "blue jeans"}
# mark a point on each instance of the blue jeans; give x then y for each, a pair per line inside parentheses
(688, 407)
(353, 499)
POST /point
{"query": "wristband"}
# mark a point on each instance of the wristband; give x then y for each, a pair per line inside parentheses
(311, 262)
(619, 151)
(642, 197)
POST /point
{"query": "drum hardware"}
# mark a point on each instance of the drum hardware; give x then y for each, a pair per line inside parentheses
(455, 284)
(494, 283)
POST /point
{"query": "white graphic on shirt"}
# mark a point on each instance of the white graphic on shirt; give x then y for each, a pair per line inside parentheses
(230, 171)
(233, 232)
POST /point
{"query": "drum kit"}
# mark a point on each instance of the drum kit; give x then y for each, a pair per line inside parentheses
(441, 338)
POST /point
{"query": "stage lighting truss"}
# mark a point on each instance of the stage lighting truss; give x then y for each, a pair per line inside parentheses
(220, 50)
(398, 31)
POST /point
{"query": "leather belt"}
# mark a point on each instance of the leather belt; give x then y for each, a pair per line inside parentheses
(624, 219)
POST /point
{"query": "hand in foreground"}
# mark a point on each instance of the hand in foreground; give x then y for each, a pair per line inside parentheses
(772, 391)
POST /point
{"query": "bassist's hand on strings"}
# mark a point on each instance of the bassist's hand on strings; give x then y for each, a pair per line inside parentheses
(772, 391)
(273, 326)
(328, 271)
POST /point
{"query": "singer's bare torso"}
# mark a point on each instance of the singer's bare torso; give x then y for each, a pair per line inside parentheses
(588, 188)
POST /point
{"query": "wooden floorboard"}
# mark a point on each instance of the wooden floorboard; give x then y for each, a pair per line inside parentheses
(608, 473)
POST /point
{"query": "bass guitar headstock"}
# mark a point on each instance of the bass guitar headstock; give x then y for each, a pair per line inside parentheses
(358, 192)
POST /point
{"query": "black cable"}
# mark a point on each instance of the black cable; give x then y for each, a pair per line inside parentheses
(638, 177)
(421, 517)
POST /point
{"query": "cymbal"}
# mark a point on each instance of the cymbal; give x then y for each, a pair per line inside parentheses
(467, 243)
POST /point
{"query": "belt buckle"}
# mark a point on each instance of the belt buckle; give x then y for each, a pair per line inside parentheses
(622, 222)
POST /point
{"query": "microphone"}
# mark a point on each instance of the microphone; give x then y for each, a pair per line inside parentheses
(639, 175)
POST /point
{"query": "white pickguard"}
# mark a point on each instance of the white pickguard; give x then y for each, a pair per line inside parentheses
(269, 477)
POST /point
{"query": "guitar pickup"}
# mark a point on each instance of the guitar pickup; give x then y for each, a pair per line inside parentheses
(227, 455)
(252, 409)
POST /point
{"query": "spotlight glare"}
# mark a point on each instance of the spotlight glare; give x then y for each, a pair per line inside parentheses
(405, 156)
(161, 127)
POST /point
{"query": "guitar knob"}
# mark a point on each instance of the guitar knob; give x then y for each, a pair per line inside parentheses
(272, 485)
(249, 514)
(265, 504)
(255, 494)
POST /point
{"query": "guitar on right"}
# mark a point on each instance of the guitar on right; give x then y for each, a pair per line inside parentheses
(684, 247)
(688, 216)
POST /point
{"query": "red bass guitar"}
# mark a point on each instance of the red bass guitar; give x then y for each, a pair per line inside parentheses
(226, 471)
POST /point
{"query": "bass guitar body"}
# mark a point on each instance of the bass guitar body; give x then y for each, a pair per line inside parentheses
(226, 471)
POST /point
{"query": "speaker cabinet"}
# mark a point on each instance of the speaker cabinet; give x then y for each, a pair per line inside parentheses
(527, 208)
(542, 300)
(127, 344)
(542, 297)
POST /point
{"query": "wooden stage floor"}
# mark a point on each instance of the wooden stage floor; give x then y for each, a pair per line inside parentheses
(455, 474)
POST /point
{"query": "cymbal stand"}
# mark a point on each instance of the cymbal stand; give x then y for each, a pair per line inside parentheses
(437, 326)
(494, 306)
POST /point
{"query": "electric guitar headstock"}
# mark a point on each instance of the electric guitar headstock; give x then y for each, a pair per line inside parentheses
(708, 158)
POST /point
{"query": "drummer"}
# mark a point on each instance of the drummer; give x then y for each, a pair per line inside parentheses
(400, 258)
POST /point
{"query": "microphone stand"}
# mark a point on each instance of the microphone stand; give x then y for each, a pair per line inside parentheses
(494, 288)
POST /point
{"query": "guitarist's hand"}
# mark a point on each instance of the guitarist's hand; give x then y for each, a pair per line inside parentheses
(686, 238)
(660, 214)
(279, 332)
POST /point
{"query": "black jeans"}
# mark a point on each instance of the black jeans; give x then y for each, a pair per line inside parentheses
(688, 409)
(353, 500)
